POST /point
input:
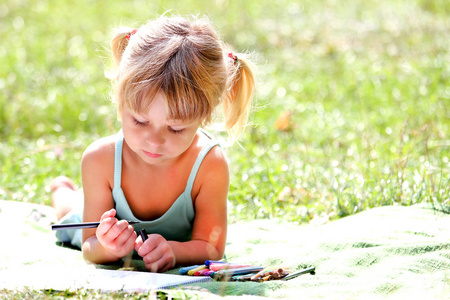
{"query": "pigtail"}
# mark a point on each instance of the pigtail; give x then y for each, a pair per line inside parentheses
(119, 42)
(239, 94)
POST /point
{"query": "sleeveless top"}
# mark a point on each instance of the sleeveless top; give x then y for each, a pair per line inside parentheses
(177, 222)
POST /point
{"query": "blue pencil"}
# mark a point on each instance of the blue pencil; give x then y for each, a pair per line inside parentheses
(208, 262)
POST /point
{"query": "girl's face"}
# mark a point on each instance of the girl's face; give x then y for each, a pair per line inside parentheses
(155, 138)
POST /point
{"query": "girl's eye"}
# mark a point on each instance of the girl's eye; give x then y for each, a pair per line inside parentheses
(176, 131)
(139, 123)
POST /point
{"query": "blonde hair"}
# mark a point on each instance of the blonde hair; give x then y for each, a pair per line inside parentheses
(186, 62)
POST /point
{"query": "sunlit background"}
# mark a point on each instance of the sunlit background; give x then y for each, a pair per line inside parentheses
(352, 110)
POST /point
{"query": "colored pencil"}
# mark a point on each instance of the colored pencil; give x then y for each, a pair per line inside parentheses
(82, 225)
(301, 272)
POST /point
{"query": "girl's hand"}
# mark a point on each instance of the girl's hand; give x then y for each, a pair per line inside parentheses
(156, 252)
(118, 237)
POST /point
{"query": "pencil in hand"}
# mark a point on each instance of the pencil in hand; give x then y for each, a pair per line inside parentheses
(82, 225)
(143, 235)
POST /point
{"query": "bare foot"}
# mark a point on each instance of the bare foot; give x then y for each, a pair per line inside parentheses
(65, 196)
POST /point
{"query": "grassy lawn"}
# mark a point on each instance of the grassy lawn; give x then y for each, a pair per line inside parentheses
(353, 102)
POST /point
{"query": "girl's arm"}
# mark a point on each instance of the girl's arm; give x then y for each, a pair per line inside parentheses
(210, 224)
(112, 239)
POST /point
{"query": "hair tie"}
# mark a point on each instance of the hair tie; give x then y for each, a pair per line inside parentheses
(131, 33)
(233, 57)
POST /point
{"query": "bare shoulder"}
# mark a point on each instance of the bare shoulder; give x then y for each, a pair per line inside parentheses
(100, 151)
(215, 161)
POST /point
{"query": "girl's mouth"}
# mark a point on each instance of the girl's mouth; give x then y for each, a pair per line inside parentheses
(152, 155)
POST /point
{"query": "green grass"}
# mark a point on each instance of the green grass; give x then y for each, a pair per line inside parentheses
(367, 84)
(87, 294)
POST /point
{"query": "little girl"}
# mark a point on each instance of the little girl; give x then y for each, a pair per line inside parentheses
(161, 168)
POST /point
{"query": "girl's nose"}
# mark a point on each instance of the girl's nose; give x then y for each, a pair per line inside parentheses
(155, 137)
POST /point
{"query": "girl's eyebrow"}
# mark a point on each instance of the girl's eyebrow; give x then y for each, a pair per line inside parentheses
(137, 115)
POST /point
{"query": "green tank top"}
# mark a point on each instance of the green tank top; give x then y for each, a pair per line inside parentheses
(176, 224)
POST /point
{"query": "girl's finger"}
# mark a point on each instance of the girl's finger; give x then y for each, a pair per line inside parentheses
(108, 214)
(124, 236)
(138, 244)
(160, 265)
(105, 226)
(150, 244)
(153, 256)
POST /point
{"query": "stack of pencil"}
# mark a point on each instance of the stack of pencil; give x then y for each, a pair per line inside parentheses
(270, 273)
(219, 269)
(224, 271)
